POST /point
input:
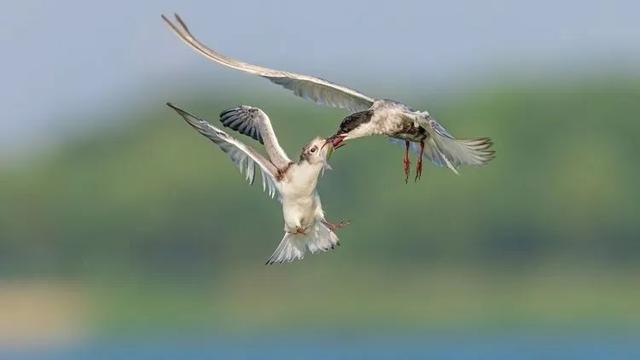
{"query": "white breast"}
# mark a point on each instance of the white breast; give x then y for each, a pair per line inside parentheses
(299, 198)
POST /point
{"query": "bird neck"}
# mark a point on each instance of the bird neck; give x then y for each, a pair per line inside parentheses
(366, 129)
(308, 172)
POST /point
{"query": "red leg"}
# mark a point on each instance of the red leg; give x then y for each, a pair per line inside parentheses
(333, 227)
(406, 161)
(419, 165)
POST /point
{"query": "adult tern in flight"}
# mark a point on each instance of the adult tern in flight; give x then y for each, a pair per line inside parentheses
(294, 183)
(370, 116)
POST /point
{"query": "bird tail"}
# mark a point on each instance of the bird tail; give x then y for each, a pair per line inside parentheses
(294, 246)
(445, 150)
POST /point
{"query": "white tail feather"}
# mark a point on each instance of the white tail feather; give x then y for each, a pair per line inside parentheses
(294, 246)
(454, 152)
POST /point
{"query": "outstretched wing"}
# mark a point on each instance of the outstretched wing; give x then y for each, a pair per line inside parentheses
(243, 120)
(255, 123)
(243, 156)
(312, 88)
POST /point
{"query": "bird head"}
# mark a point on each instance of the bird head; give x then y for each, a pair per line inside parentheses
(317, 151)
(353, 126)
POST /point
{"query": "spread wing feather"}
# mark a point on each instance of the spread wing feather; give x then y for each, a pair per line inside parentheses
(244, 157)
(308, 87)
(255, 123)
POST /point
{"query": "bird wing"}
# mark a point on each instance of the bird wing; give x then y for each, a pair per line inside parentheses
(255, 123)
(312, 88)
(243, 156)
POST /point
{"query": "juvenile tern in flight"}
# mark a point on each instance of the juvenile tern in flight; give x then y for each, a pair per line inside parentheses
(418, 129)
(293, 183)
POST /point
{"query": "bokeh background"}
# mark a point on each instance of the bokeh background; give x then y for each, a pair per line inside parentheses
(124, 234)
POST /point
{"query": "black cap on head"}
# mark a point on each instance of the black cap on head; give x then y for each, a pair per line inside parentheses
(354, 120)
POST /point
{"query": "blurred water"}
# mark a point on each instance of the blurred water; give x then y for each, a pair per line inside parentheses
(326, 346)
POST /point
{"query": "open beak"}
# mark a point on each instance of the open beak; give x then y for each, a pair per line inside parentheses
(337, 141)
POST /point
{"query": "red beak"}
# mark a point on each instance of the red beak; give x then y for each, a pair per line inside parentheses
(337, 141)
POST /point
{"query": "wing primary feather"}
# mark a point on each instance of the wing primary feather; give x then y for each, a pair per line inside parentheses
(255, 123)
(244, 157)
(316, 89)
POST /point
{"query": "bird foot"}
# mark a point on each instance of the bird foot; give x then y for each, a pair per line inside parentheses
(406, 166)
(418, 170)
(298, 231)
(333, 227)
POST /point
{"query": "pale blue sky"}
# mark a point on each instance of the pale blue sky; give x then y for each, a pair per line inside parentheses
(64, 59)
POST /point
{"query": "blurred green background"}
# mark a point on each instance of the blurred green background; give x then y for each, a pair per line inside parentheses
(544, 235)
(137, 227)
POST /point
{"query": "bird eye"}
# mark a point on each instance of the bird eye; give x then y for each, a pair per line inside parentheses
(313, 149)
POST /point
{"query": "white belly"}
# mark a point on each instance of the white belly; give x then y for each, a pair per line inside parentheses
(300, 202)
(299, 212)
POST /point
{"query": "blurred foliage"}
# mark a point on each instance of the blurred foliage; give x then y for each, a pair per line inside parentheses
(151, 200)
(153, 195)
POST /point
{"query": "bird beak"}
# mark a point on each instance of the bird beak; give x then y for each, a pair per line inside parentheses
(337, 141)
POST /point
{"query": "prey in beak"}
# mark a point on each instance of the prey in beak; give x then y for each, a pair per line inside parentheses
(329, 143)
(337, 140)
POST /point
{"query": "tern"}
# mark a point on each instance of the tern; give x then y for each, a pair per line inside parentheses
(417, 129)
(293, 183)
